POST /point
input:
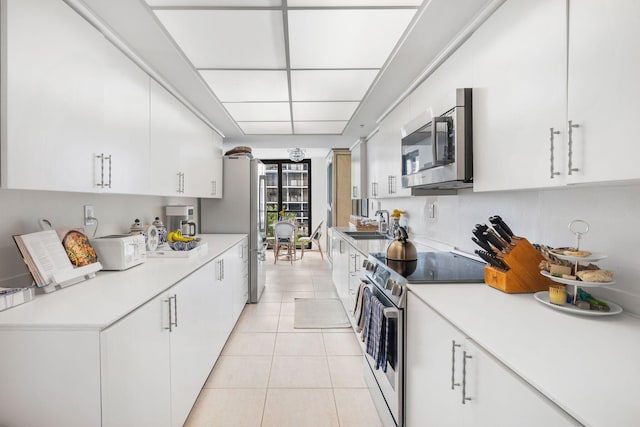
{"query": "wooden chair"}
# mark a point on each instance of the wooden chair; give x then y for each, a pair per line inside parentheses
(314, 238)
(284, 233)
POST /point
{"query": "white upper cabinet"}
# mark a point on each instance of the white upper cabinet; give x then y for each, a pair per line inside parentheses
(80, 115)
(384, 158)
(186, 155)
(544, 119)
(52, 118)
(519, 75)
(359, 170)
(126, 123)
(604, 65)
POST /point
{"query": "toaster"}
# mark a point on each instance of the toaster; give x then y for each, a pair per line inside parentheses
(120, 251)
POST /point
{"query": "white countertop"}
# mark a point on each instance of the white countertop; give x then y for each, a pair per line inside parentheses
(587, 365)
(111, 295)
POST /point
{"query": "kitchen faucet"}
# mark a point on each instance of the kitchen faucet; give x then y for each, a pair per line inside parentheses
(384, 229)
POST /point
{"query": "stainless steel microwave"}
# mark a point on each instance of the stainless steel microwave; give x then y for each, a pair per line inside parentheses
(438, 155)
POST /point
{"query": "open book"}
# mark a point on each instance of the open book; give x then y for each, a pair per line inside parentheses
(49, 262)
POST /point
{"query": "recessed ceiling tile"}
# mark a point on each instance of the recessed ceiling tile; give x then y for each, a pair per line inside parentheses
(247, 85)
(266, 128)
(348, 3)
(228, 38)
(323, 110)
(302, 128)
(259, 111)
(345, 38)
(331, 85)
(217, 3)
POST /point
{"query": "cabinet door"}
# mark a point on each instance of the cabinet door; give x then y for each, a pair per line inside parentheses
(136, 366)
(53, 115)
(237, 272)
(165, 134)
(386, 179)
(200, 152)
(126, 123)
(355, 275)
(193, 340)
(224, 302)
(373, 169)
(519, 80)
(499, 398)
(604, 64)
(340, 271)
(359, 170)
(433, 371)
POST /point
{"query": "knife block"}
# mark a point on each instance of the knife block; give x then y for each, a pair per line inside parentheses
(524, 272)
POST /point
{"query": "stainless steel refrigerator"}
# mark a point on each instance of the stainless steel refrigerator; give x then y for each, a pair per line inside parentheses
(242, 209)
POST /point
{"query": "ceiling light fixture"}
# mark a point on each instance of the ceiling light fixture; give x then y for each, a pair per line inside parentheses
(296, 154)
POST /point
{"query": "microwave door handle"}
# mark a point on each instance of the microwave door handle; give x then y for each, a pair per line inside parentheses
(434, 142)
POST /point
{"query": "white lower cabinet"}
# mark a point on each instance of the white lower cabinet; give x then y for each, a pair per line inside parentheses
(135, 368)
(355, 277)
(156, 360)
(340, 268)
(451, 381)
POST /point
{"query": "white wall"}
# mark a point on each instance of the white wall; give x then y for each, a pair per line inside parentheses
(21, 211)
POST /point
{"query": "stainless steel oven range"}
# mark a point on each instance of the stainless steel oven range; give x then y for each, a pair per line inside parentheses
(385, 286)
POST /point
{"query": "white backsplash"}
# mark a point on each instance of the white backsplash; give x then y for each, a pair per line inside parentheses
(542, 216)
(21, 211)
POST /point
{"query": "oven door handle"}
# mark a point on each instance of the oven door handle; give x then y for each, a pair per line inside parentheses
(391, 313)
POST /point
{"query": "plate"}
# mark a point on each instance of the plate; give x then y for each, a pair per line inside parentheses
(575, 282)
(543, 297)
(591, 258)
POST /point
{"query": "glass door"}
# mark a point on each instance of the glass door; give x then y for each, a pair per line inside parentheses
(289, 193)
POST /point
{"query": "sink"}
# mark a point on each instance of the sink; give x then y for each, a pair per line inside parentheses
(366, 235)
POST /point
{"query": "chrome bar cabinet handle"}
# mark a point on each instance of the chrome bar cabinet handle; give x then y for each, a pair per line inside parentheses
(454, 384)
(109, 157)
(570, 132)
(552, 133)
(168, 301)
(465, 356)
(175, 310)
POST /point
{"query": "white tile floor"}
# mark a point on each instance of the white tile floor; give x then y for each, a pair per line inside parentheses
(270, 374)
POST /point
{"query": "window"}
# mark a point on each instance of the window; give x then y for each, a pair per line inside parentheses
(289, 193)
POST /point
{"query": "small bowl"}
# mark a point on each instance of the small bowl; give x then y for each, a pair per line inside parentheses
(183, 246)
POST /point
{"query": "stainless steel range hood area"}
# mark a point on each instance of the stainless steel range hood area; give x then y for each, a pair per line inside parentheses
(437, 156)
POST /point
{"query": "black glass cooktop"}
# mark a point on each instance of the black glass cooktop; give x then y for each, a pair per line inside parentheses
(437, 267)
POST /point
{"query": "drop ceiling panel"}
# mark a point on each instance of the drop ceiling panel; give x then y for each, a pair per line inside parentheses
(228, 38)
(259, 111)
(345, 38)
(348, 3)
(217, 3)
(331, 85)
(323, 110)
(247, 85)
(319, 127)
(266, 128)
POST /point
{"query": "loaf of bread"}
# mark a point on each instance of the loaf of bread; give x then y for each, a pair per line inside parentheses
(595, 275)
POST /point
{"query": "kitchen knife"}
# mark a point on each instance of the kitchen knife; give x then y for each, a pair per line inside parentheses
(483, 245)
(481, 227)
(494, 240)
(491, 260)
(479, 235)
(503, 224)
(501, 231)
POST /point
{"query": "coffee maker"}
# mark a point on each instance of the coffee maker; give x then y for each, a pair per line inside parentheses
(180, 217)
